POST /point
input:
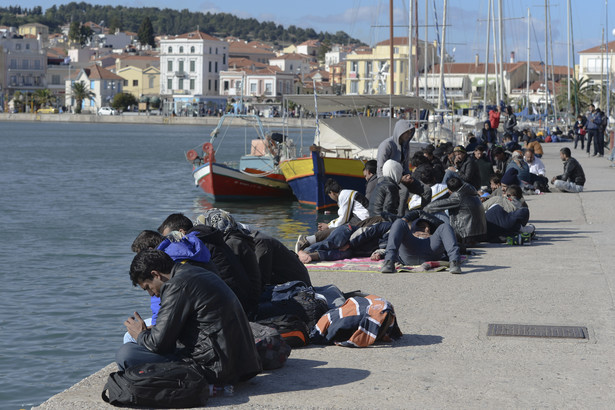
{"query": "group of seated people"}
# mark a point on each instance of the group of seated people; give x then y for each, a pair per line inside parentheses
(205, 280)
(457, 200)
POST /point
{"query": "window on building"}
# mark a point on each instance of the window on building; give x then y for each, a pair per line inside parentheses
(216, 50)
(55, 79)
(252, 88)
(225, 85)
(216, 67)
(268, 88)
(192, 66)
(215, 85)
(181, 49)
(17, 46)
(192, 83)
(181, 84)
(125, 83)
(368, 68)
(354, 87)
(170, 49)
(181, 65)
(354, 66)
(223, 58)
(210, 66)
(291, 67)
(113, 85)
(91, 103)
(135, 83)
(151, 82)
(27, 46)
(13, 64)
(92, 84)
(169, 84)
(192, 49)
(37, 64)
(209, 50)
(401, 67)
(25, 64)
(170, 65)
(209, 85)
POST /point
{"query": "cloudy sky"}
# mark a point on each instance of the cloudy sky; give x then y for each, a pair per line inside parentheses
(368, 20)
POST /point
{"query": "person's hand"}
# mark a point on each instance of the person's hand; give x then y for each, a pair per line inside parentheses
(452, 169)
(135, 325)
(407, 179)
(553, 180)
(345, 247)
(322, 226)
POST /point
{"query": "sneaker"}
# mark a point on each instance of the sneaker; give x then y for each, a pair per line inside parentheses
(529, 228)
(388, 266)
(455, 267)
(301, 244)
(612, 165)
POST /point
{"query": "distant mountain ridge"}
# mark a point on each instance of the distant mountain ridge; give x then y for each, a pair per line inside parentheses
(168, 21)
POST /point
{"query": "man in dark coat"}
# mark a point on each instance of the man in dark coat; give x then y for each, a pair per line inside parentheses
(573, 178)
(200, 320)
(465, 168)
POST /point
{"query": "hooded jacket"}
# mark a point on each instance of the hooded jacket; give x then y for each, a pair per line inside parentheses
(465, 210)
(385, 199)
(202, 315)
(390, 148)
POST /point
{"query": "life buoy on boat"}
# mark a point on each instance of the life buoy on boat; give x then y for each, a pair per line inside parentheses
(208, 152)
(192, 155)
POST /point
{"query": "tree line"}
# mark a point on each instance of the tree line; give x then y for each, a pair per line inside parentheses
(167, 22)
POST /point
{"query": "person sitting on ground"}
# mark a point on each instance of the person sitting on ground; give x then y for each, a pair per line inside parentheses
(385, 200)
(495, 185)
(418, 238)
(501, 159)
(421, 164)
(534, 143)
(509, 144)
(352, 209)
(472, 143)
(184, 249)
(573, 178)
(485, 168)
(430, 153)
(537, 171)
(229, 267)
(369, 172)
(507, 215)
(465, 211)
(523, 169)
(277, 263)
(465, 168)
(488, 135)
(197, 312)
(433, 190)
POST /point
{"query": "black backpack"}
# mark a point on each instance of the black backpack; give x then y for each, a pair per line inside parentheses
(163, 385)
(270, 345)
(292, 328)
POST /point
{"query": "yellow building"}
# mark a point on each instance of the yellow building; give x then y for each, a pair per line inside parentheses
(34, 29)
(367, 72)
(141, 82)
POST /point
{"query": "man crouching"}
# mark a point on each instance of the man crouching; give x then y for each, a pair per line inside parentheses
(200, 320)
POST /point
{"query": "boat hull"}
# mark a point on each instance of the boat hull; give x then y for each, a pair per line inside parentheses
(223, 183)
(307, 176)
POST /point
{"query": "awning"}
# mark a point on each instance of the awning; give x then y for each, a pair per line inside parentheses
(330, 103)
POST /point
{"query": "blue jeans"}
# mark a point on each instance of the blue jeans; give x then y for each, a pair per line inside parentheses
(406, 248)
(328, 249)
(502, 223)
(131, 354)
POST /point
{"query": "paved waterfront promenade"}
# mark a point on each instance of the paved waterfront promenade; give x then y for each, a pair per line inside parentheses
(445, 358)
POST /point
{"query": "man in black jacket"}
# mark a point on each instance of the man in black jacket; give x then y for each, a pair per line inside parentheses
(573, 178)
(200, 321)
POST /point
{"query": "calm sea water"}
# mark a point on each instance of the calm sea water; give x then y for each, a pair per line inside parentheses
(73, 198)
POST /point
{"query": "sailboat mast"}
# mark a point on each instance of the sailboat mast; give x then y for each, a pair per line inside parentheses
(442, 51)
(391, 59)
(425, 54)
(410, 42)
(546, 64)
(569, 17)
(501, 73)
(495, 54)
(608, 71)
(416, 43)
(527, 81)
(487, 60)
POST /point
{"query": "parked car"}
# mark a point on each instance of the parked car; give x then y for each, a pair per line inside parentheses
(107, 111)
(47, 110)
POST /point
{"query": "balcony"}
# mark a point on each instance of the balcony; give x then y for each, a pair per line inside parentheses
(180, 74)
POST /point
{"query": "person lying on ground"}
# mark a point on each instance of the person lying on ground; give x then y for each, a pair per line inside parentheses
(200, 320)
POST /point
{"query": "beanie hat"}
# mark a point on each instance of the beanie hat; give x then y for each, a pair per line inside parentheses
(459, 148)
(510, 177)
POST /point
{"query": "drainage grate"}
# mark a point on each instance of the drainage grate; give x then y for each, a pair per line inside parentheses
(560, 332)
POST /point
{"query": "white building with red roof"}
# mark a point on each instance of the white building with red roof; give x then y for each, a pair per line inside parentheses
(102, 82)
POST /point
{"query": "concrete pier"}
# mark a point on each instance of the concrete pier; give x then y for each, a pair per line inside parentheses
(445, 358)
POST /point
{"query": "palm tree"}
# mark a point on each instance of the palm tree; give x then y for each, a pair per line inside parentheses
(582, 94)
(44, 97)
(81, 92)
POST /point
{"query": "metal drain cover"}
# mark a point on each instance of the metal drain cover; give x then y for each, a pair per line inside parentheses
(559, 332)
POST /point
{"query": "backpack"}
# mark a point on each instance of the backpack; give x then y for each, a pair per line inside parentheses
(292, 328)
(270, 345)
(166, 385)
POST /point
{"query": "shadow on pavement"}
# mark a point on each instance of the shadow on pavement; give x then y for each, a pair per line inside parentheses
(417, 340)
(467, 269)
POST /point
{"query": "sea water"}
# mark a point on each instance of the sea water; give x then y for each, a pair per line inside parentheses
(73, 197)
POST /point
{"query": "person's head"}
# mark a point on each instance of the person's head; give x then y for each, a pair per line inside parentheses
(514, 191)
(393, 170)
(460, 153)
(332, 189)
(150, 269)
(175, 222)
(404, 131)
(428, 176)
(370, 168)
(517, 155)
(422, 226)
(454, 184)
(592, 107)
(495, 182)
(479, 151)
(146, 240)
(428, 151)
(529, 155)
(507, 137)
(564, 153)
(472, 138)
(419, 159)
(509, 178)
(509, 110)
(487, 125)
(498, 153)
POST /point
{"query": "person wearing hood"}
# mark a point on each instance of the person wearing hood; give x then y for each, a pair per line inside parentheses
(385, 199)
(488, 135)
(465, 210)
(397, 147)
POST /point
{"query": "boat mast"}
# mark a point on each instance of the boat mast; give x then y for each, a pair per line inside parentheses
(602, 68)
(487, 60)
(416, 53)
(608, 71)
(442, 51)
(568, 17)
(410, 43)
(495, 55)
(527, 81)
(501, 73)
(392, 61)
(425, 48)
(546, 64)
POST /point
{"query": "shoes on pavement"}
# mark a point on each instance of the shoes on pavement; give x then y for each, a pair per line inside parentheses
(529, 228)
(455, 267)
(388, 266)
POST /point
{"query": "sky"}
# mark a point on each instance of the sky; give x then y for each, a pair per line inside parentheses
(368, 20)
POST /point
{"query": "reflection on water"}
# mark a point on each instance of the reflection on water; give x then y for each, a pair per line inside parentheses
(284, 219)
